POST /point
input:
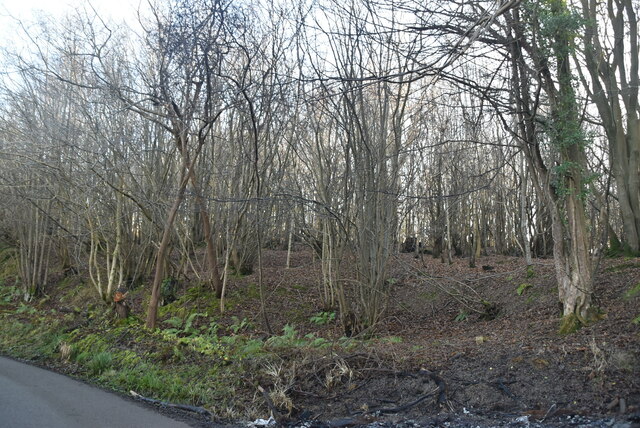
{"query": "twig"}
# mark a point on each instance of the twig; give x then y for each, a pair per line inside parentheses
(442, 386)
(274, 410)
(406, 406)
(499, 384)
(553, 406)
(195, 409)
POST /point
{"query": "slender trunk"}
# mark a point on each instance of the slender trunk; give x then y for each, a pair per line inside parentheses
(449, 247)
(152, 308)
(289, 242)
(524, 229)
(212, 255)
(475, 244)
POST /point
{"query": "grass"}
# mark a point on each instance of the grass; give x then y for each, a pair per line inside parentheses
(632, 292)
(100, 363)
(97, 356)
(8, 265)
(188, 361)
(193, 358)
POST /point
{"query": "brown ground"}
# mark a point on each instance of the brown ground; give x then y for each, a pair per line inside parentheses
(441, 357)
(510, 366)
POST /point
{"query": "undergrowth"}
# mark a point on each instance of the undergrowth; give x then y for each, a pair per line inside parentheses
(191, 359)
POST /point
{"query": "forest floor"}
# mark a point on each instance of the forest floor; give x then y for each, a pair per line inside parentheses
(458, 346)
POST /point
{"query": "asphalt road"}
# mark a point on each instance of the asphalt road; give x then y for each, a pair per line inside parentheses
(33, 397)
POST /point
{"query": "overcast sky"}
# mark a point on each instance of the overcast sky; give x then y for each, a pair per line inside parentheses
(28, 10)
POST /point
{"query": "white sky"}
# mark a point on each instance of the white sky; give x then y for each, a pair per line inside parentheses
(28, 10)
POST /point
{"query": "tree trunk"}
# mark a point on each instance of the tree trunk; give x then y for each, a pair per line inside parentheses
(152, 308)
(563, 187)
(212, 255)
(524, 230)
(612, 82)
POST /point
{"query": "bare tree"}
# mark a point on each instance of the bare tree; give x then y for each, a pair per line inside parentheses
(610, 52)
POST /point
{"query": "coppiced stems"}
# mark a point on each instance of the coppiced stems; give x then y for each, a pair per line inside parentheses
(34, 244)
(106, 275)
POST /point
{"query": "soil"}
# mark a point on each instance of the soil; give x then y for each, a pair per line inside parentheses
(497, 357)
(458, 346)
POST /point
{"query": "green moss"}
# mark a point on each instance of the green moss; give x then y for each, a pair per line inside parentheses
(252, 291)
(573, 322)
(429, 296)
(569, 324)
(198, 298)
(92, 343)
(282, 291)
(522, 288)
(530, 272)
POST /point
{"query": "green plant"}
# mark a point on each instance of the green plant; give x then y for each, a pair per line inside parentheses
(636, 320)
(168, 290)
(530, 272)
(82, 357)
(316, 342)
(251, 347)
(462, 316)
(8, 294)
(188, 328)
(522, 287)
(289, 337)
(175, 322)
(633, 291)
(183, 330)
(239, 325)
(152, 381)
(25, 309)
(252, 291)
(212, 330)
(100, 363)
(8, 264)
(392, 339)
(49, 343)
(322, 318)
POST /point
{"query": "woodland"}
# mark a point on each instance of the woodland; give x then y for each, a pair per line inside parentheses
(366, 212)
